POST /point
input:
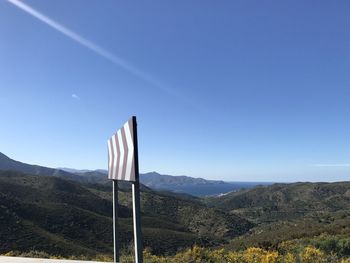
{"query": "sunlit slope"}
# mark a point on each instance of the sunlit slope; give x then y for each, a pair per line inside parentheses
(290, 211)
(286, 201)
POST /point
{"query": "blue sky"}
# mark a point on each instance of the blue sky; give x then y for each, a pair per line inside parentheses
(232, 90)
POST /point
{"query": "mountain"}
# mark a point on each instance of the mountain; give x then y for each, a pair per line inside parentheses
(157, 180)
(71, 214)
(7, 163)
(73, 171)
(64, 217)
(96, 177)
(193, 186)
(41, 206)
(289, 211)
(87, 176)
(280, 201)
(153, 180)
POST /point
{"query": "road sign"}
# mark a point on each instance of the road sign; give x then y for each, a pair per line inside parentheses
(121, 159)
(123, 164)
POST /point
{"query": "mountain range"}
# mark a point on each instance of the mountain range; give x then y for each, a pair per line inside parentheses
(193, 186)
(154, 180)
(69, 213)
(7, 163)
(65, 217)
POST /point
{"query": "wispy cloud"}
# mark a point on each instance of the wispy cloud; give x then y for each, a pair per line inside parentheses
(331, 165)
(117, 60)
(75, 96)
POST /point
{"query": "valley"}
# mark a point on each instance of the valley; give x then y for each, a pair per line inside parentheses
(66, 215)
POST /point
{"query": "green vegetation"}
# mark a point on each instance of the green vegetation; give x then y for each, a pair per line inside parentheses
(47, 216)
(288, 252)
(284, 212)
(66, 218)
(307, 254)
(266, 204)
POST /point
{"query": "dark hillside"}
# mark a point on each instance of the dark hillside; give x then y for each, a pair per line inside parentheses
(8, 164)
(68, 218)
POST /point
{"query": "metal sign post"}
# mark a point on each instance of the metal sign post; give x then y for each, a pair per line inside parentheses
(115, 221)
(123, 164)
(136, 201)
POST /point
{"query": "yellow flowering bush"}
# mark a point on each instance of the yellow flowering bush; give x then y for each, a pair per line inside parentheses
(270, 257)
(253, 255)
(289, 258)
(312, 255)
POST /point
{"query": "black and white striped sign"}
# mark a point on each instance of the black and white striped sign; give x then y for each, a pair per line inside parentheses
(121, 158)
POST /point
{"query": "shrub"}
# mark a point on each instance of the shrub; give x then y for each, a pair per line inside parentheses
(289, 258)
(270, 257)
(312, 255)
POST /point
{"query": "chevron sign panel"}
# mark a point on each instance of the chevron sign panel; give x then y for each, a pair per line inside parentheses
(121, 159)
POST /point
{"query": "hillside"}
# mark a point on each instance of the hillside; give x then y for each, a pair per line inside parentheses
(70, 214)
(63, 217)
(282, 201)
(289, 211)
(193, 186)
(176, 184)
(153, 180)
(7, 163)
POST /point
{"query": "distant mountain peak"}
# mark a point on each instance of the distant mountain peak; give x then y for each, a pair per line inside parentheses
(6, 163)
(72, 170)
(155, 180)
(4, 156)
